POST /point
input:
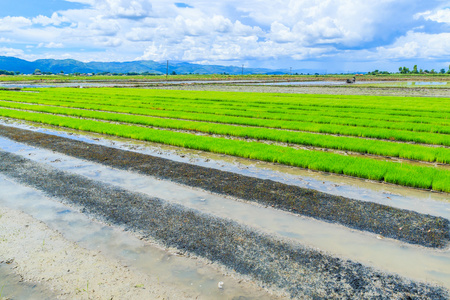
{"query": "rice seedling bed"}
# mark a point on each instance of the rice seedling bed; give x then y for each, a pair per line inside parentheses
(247, 116)
(117, 105)
(384, 148)
(284, 119)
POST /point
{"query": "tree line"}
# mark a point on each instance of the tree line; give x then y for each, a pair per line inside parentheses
(415, 70)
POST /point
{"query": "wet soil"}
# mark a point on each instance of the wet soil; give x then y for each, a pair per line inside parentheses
(41, 264)
(408, 226)
(274, 262)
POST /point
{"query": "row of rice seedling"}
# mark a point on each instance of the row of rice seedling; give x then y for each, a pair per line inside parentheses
(288, 113)
(149, 97)
(247, 105)
(305, 126)
(285, 117)
(375, 147)
(246, 118)
(385, 103)
(403, 174)
(400, 103)
(416, 152)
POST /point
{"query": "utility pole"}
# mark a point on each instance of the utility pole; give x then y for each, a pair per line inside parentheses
(242, 70)
(167, 69)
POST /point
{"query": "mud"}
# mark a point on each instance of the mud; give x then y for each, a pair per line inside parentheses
(41, 264)
(274, 262)
(401, 224)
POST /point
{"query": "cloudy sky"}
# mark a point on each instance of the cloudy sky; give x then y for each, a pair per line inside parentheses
(331, 35)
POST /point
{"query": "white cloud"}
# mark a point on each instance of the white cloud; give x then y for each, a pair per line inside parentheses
(418, 45)
(55, 19)
(51, 45)
(103, 27)
(125, 8)
(109, 42)
(4, 51)
(13, 23)
(440, 16)
(232, 30)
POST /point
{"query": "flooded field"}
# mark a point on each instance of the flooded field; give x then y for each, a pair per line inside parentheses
(164, 270)
(193, 277)
(370, 249)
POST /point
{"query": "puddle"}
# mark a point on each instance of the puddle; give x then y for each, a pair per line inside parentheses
(385, 254)
(11, 286)
(180, 272)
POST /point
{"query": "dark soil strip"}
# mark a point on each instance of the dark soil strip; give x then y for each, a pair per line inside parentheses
(404, 225)
(299, 271)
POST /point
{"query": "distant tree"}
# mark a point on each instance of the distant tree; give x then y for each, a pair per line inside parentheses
(62, 72)
(415, 70)
(37, 72)
(173, 73)
(442, 71)
(421, 71)
(4, 72)
(433, 71)
(404, 70)
(426, 72)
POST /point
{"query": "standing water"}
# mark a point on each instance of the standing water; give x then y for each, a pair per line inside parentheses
(385, 254)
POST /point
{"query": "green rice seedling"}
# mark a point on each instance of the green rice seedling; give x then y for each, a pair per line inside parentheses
(384, 148)
(405, 174)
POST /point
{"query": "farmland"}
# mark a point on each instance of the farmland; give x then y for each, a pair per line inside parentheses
(204, 189)
(349, 135)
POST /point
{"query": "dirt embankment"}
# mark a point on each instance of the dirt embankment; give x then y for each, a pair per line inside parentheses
(404, 225)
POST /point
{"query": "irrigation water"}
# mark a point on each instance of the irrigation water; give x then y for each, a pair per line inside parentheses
(180, 272)
(422, 201)
(369, 249)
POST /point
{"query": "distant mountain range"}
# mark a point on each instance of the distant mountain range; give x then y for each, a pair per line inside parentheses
(69, 66)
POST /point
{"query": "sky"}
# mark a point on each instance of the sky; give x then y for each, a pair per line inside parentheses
(324, 35)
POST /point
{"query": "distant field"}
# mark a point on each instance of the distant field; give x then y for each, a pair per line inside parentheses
(329, 133)
(256, 77)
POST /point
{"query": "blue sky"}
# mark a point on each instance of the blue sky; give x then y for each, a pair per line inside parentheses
(327, 35)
